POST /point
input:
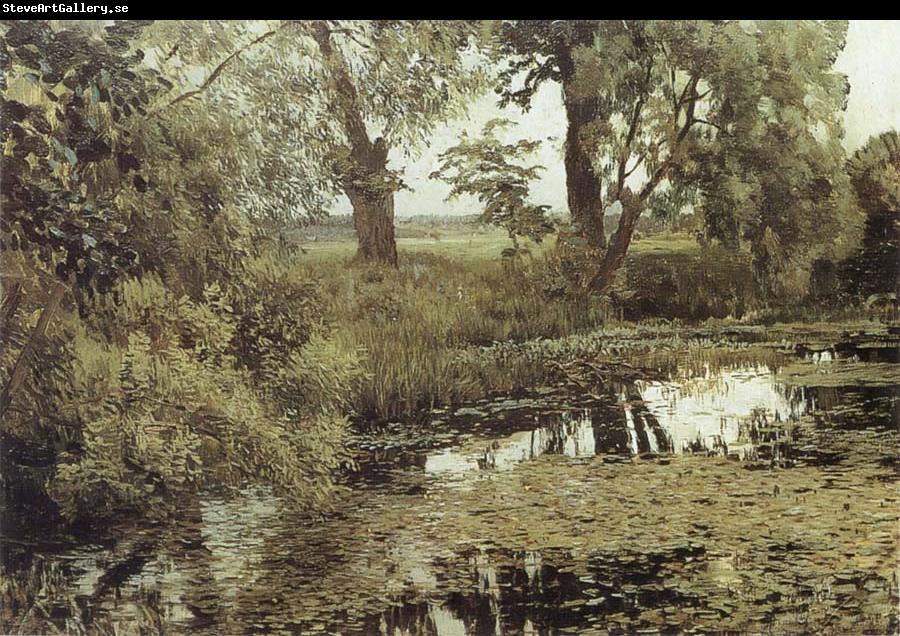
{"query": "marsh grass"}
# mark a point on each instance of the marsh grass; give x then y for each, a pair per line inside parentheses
(413, 323)
(456, 321)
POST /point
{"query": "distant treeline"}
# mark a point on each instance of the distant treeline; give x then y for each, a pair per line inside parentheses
(340, 226)
(430, 220)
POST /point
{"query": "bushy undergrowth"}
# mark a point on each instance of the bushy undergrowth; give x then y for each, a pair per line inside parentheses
(714, 283)
(154, 394)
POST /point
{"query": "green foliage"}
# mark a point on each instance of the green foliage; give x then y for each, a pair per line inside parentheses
(712, 283)
(740, 118)
(533, 47)
(322, 377)
(182, 352)
(165, 405)
(875, 173)
(493, 172)
(276, 314)
(772, 174)
(64, 93)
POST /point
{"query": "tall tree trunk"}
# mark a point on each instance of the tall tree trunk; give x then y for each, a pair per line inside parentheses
(20, 368)
(363, 170)
(583, 185)
(373, 218)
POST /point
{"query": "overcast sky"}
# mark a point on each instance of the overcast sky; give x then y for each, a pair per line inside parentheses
(871, 60)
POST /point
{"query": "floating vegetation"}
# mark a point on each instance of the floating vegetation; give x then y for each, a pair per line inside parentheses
(842, 373)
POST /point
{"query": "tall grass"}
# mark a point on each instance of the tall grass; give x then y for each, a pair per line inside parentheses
(445, 328)
(414, 321)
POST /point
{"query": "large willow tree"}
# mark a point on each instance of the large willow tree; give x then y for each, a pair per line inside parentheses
(335, 105)
(743, 116)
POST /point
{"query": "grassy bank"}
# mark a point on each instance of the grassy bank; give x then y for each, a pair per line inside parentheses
(456, 320)
(414, 322)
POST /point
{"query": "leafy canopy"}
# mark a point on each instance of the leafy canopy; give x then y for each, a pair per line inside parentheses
(407, 77)
(69, 154)
(742, 118)
(497, 175)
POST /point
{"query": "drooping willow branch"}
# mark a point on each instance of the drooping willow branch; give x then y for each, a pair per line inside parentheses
(217, 71)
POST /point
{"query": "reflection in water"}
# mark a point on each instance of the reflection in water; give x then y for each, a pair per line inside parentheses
(570, 434)
(191, 575)
(710, 412)
(730, 412)
(543, 599)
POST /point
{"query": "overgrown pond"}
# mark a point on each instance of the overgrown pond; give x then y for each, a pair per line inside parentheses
(745, 489)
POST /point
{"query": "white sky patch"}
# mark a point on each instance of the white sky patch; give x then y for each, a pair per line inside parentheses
(871, 61)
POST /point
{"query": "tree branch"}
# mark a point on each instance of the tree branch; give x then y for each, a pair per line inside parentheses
(689, 121)
(690, 86)
(217, 71)
(632, 132)
(708, 123)
(635, 166)
(350, 34)
(697, 97)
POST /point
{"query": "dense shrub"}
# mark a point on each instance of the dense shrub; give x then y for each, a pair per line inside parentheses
(149, 335)
(714, 283)
(158, 402)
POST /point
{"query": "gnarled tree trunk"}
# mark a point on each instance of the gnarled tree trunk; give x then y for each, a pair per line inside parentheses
(583, 185)
(373, 218)
(362, 170)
